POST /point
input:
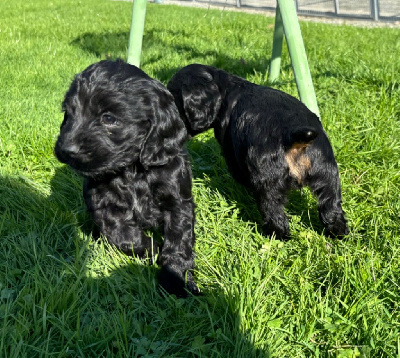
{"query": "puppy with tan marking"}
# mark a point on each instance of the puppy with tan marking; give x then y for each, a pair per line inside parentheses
(271, 142)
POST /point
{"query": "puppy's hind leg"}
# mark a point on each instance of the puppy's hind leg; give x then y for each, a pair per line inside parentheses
(324, 182)
(271, 200)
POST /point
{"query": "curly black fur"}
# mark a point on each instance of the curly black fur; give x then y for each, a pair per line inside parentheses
(123, 133)
(270, 140)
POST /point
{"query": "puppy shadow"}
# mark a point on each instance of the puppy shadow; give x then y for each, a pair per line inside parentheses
(209, 165)
(42, 233)
(157, 324)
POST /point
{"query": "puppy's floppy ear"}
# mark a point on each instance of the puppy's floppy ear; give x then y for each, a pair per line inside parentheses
(197, 96)
(167, 133)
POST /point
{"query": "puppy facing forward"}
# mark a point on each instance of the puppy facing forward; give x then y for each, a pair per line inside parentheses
(270, 140)
(123, 133)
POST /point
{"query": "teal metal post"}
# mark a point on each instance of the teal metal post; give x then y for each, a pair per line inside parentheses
(275, 65)
(297, 54)
(136, 33)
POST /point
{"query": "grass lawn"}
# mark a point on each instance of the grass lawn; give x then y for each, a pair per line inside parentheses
(63, 294)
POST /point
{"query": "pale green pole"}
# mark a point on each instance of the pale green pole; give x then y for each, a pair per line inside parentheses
(275, 65)
(136, 33)
(297, 54)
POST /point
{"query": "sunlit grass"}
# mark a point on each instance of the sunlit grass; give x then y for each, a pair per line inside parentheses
(64, 294)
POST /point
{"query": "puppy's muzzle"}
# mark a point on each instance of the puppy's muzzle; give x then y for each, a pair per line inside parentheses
(71, 153)
(70, 150)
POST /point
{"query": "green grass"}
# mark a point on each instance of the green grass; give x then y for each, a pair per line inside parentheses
(62, 294)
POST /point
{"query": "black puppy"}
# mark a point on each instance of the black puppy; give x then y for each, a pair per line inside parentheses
(271, 142)
(123, 133)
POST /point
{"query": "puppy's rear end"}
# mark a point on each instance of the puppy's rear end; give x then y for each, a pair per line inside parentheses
(307, 159)
(295, 154)
(271, 142)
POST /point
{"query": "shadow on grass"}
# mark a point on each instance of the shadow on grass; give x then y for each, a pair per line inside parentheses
(207, 161)
(114, 45)
(104, 45)
(66, 190)
(50, 264)
(26, 211)
(144, 322)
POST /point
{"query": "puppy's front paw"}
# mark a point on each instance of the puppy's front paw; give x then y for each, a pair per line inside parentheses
(176, 283)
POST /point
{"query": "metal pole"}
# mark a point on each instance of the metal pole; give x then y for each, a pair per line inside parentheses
(374, 9)
(298, 55)
(136, 33)
(337, 8)
(275, 65)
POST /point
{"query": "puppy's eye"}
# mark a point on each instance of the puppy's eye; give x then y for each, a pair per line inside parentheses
(108, 120)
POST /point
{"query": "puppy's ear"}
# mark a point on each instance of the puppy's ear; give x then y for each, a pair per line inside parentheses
(198, 98)
(166, 136)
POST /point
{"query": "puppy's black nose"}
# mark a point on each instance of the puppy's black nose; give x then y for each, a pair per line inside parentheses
(71, 149)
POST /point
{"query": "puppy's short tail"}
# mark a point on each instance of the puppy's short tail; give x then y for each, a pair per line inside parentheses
(304, 135)
(298, 162)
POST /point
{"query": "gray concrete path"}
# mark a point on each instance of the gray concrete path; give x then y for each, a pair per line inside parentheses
(267, 7)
